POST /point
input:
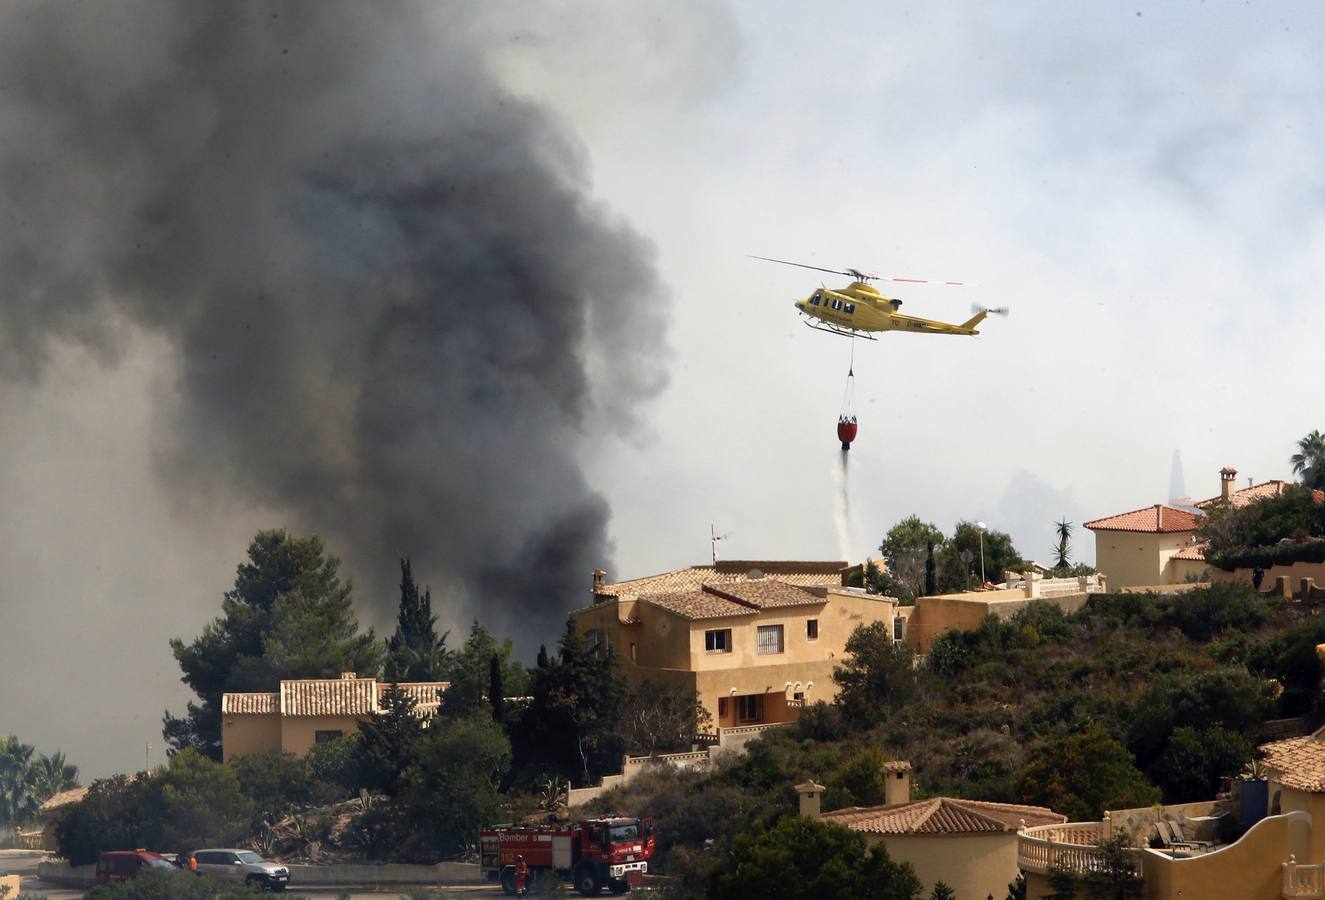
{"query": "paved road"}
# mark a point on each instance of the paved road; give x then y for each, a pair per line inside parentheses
(26, 867)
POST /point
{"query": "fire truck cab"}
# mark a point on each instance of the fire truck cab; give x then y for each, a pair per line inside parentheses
(593, 854)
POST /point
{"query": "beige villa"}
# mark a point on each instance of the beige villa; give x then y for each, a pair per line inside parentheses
(1156, 545)
(970, 845)
(308, 711)
(754, 639)
(1139, 548)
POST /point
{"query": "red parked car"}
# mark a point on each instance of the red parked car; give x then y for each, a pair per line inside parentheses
(121, 865)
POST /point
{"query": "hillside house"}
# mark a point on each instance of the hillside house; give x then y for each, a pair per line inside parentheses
(308, 711)
(1157, 545)
(970, 845)
(754, 639)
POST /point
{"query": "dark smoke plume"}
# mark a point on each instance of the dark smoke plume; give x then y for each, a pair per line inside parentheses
(397, 315)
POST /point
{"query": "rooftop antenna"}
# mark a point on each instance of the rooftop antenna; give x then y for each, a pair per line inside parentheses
(715, 539)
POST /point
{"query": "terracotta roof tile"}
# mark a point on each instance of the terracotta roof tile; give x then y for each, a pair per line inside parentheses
(1263, 491)
(766, 593)
(64, 798)
(1194, 552)
(805, 574)
(427, 694)
(698, 604)
(944, 815)
(1157, 519)
(328, 697)
(1298, 762)
(262, 704)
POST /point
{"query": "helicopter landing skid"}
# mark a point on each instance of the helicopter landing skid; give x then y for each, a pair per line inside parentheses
(820, 325)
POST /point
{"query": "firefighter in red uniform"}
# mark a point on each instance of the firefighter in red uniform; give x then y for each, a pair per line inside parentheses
(521, 874)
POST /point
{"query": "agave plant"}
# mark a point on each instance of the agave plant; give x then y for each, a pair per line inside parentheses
(552, 794)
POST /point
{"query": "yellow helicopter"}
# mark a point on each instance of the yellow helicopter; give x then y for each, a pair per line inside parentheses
(859, 308)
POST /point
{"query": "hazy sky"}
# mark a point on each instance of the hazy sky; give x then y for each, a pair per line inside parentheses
(1139, 184)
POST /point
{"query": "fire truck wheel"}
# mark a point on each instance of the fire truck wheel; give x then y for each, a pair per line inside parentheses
(586, 881)
(619, 886)
(508, 881)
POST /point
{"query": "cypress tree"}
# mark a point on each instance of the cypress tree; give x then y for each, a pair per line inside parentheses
(495, 689)
(414, 651)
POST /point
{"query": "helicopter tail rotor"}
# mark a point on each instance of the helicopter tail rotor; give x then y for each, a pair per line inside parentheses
(976, 309)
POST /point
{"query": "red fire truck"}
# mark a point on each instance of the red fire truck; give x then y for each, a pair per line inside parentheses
(593, 854)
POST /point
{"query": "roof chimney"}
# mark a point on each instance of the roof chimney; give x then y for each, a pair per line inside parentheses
(897, 782)
(811, 798)
(1226, 476)
(598, 576)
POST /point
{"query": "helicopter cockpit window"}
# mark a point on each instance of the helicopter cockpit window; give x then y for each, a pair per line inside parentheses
(814, 300)
(849, 309)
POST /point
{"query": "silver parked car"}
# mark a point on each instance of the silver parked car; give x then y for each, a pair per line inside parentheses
(242, 865)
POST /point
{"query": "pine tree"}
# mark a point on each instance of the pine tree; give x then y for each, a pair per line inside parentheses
(289, 615)
(389, 741)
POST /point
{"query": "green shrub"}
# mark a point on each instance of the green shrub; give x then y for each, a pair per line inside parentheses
(1082, 775)
(109, 817)
(1285, 554)
(195, 802)
(274, 781)
(859, 781)
(807, 858)
(1194, 761)
(161, 884)
(1205, 612)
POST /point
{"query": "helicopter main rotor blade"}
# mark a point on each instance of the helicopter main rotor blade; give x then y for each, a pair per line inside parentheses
(920, 280)
(862, 276)
(787, 262)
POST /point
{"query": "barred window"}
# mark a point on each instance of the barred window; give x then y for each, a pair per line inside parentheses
(770, 638)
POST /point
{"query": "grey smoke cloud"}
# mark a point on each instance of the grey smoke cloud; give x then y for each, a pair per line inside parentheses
(395, 311)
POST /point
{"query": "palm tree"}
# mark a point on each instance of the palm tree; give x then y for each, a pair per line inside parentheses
(18, 781)
(54, 775)
(1309, 461)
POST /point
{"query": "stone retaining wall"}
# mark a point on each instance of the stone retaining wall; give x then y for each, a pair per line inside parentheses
(60, 872)
(389, 873)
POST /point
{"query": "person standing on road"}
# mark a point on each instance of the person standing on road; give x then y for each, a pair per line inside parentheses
(521, 875)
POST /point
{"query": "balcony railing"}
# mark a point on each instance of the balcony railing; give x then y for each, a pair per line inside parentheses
(752, 729)
(1303, 881)
(1073, 847)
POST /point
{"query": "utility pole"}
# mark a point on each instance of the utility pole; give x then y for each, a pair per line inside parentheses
(981, 527)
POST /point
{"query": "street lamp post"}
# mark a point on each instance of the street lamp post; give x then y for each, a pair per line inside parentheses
(967, 556)
(980, 526)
